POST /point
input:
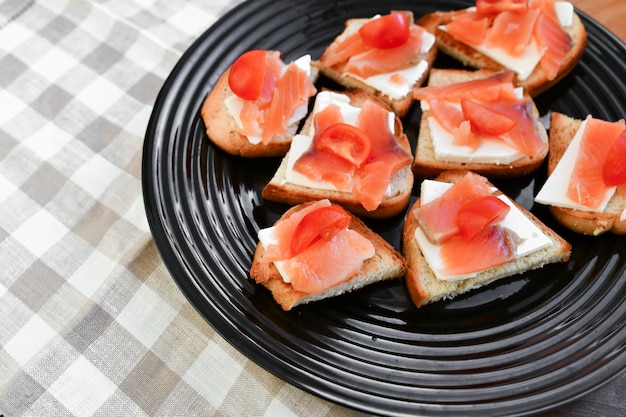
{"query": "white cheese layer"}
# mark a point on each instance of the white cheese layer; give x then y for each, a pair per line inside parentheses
(268, 237)
(531, 237)
(525, 64)
(384, 82)
(302, 142)
(554, 190)
(234, 104)
(491, 150)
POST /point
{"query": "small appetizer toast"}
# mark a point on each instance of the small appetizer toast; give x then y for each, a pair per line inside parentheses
(353, 151)
(479, 121)
(540, 40)
(386, 56)
(586, 185)
(463, 234)
(318, 250)
(257, 104)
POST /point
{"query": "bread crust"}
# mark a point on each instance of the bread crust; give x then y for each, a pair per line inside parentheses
(278, 190)
(425, 288)
(563, 128)
(386, 264)
(222, 130)
(337, 74)
(426, 165)
(536, 83)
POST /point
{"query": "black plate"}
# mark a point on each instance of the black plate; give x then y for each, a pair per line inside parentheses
(523, 345)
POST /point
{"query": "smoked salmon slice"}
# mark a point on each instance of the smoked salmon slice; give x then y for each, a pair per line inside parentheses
(386, 156)
(469, 28)
(438, 218)
(512, 27)
(293, 89)
(464, 135)
(495, 93)
(512, 31)
(447, 114)
(283, 230)
(339, 52)
(325, 263)
(496, 86)
(369, 181)
(491, 247)
(586, 184)
(364, 60)
(328, 167)
(379, 61)
(523, 136)
(328, 263)
(284, 90)
(551, 38)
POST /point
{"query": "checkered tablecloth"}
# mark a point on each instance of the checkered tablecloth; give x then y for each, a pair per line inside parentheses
(91, 323)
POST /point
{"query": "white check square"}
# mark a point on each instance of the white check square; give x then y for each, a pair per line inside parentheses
(54, 64)
(96, 175)
(222, 370)
(29, 340)
(48, 141)
(146, 316)
(92, 273)
(82, 388)
(100, 95)
(40, 232)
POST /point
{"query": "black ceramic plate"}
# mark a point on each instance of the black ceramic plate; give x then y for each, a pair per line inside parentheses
(523, 345)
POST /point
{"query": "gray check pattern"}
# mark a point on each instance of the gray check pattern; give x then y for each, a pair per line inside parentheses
(91, 323)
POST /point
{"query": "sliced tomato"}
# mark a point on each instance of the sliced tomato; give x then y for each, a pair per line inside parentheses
(346, 141)
(387, 31)
(614, 171)
(487, 7)
(485, 120)
(247, 74)
(475, 215)
(323, 223)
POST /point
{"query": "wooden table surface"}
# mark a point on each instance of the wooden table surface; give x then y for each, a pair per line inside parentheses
(610, 13)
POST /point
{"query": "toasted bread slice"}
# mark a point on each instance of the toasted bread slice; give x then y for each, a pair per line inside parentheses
(281, 191)
(386, 264)
(337, 73)
(536, 83)
(427, 165)
(223, 129)
(425, 288)
(563, 128)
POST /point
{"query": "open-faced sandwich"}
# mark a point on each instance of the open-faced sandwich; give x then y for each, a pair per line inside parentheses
(318, 250)
(385, 56)
(540, 40)
(257, 104)
(463, 234)
(586, 186)
(479, 121)
(353, 151)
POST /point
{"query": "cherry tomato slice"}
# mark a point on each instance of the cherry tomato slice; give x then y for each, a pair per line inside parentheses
(614, 171)
(386, 32)
(323, 223)
(475, 215)
(486, 7)
(484, 120)
(346, 141)
(247, 74)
